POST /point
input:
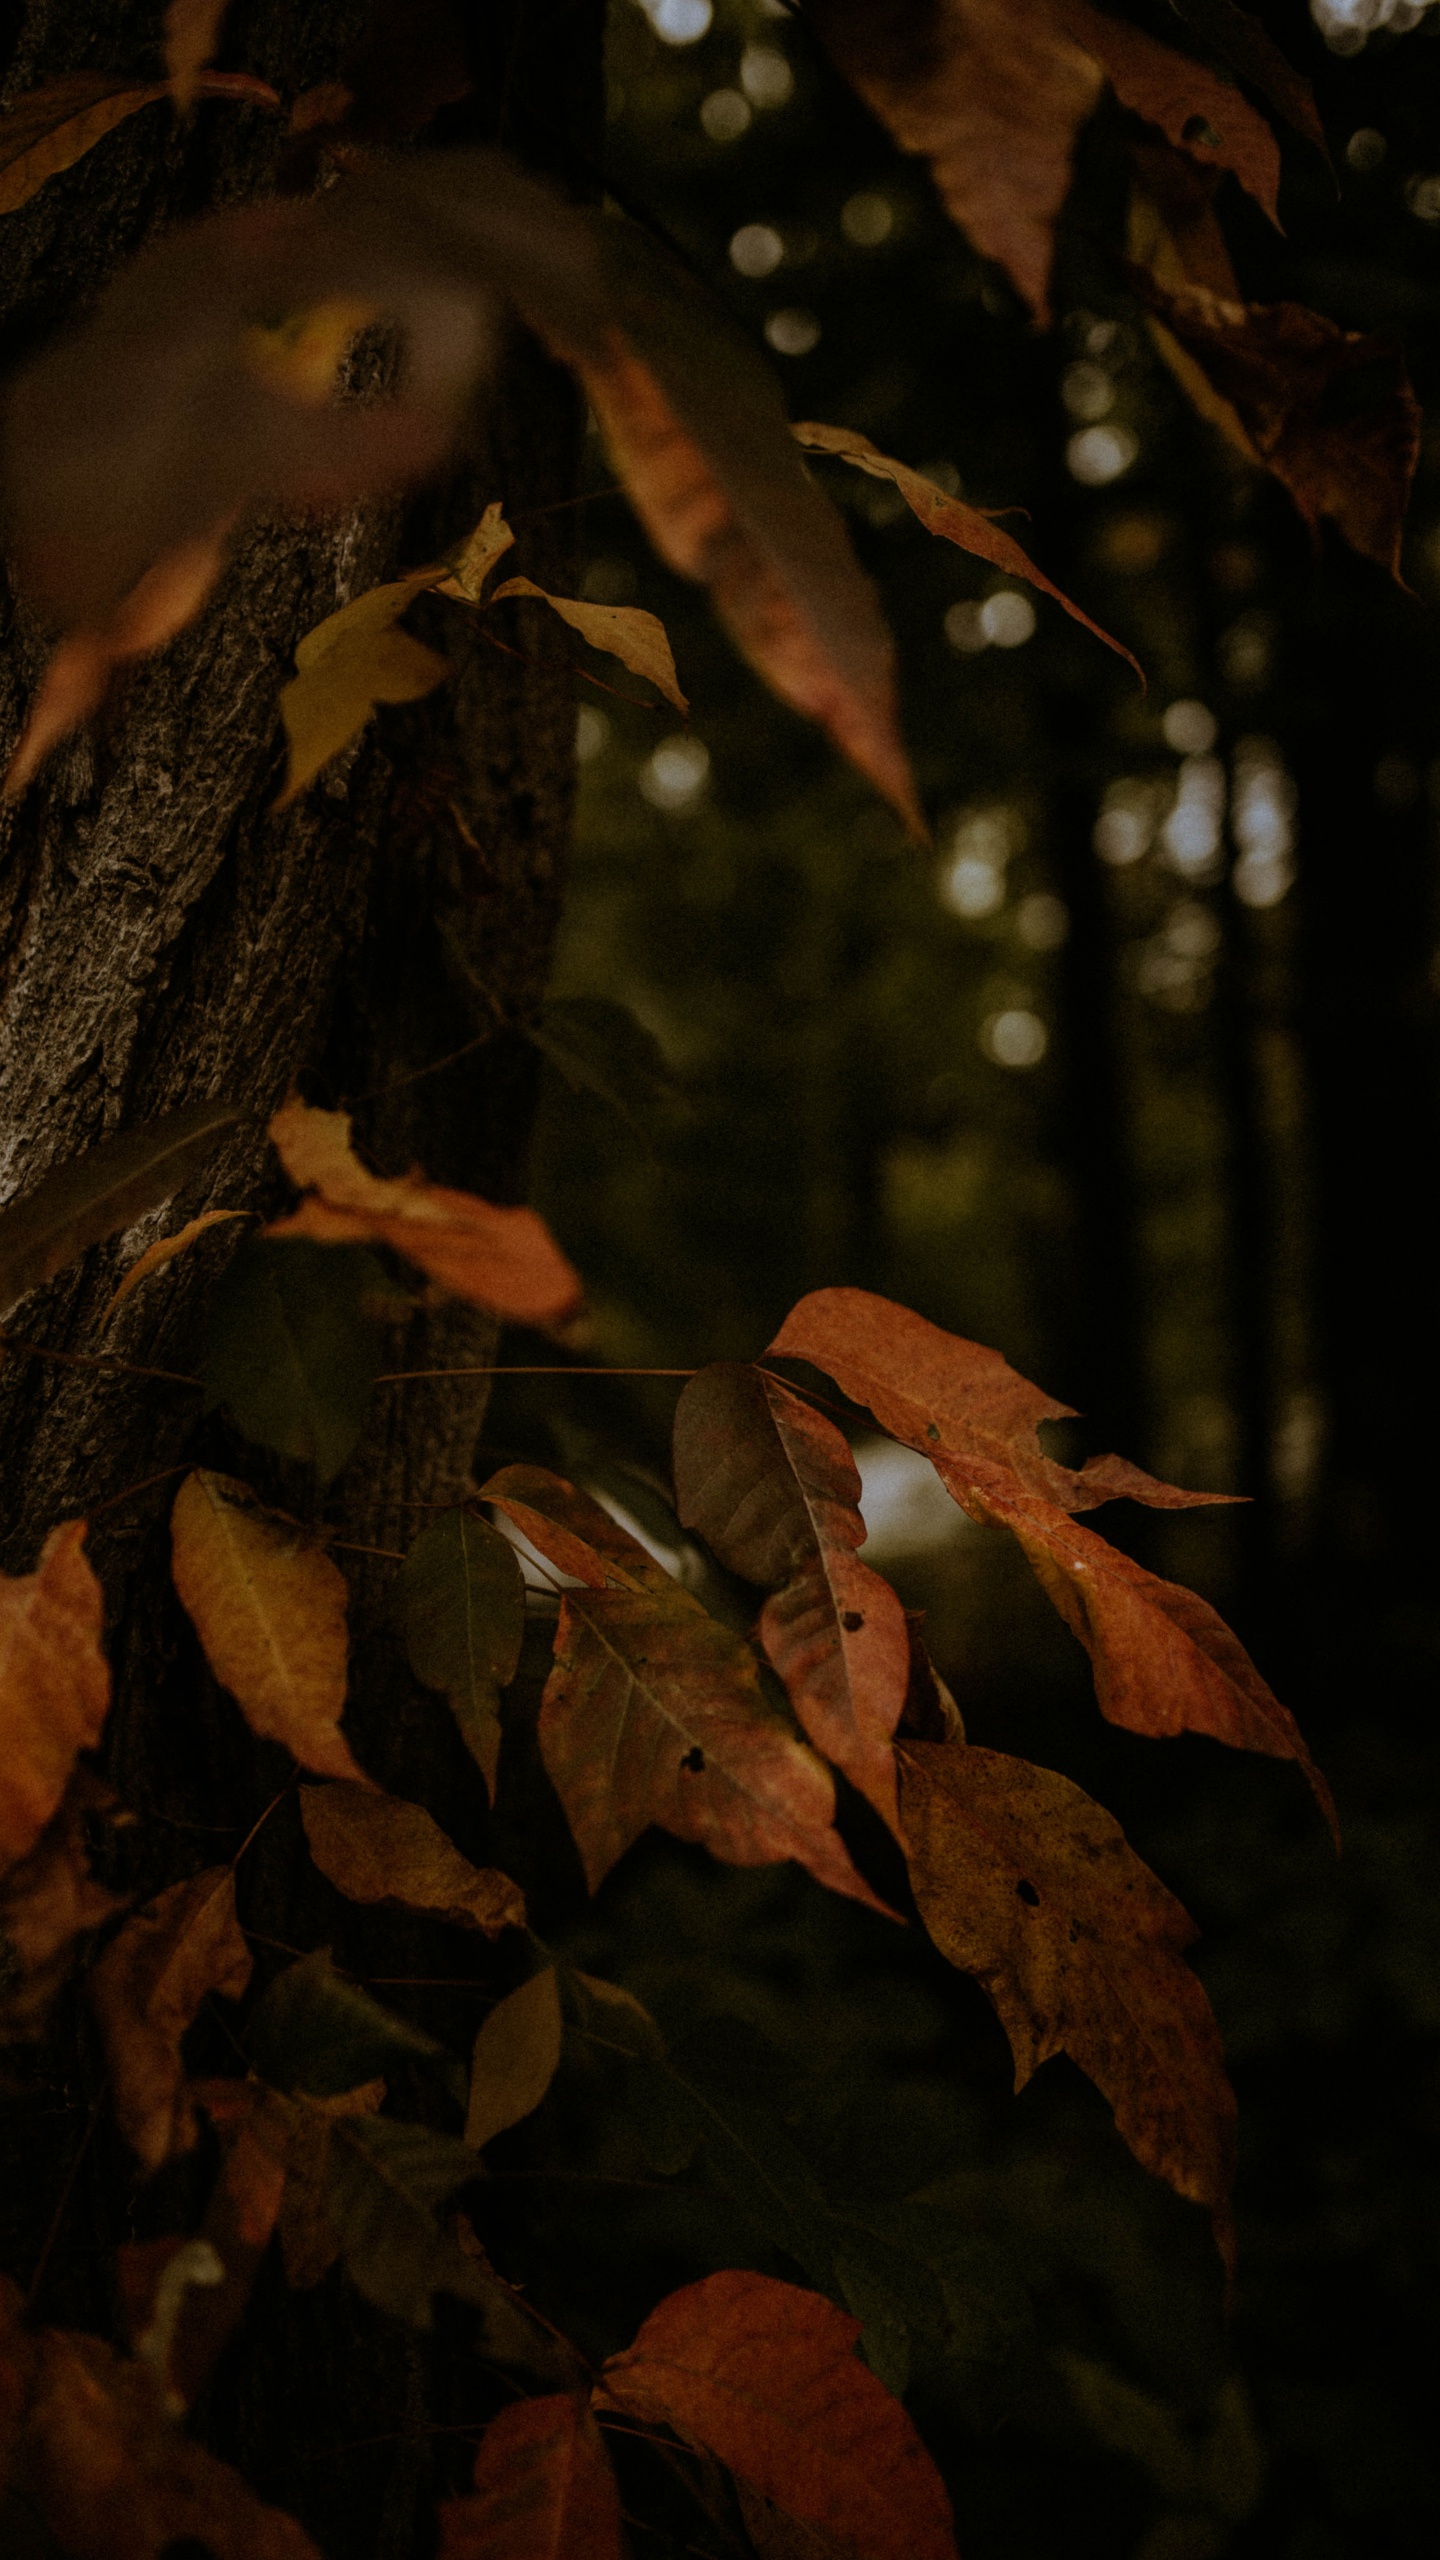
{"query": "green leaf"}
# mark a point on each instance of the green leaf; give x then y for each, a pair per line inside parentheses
(459, 1600)
(316, 2032)
(293, 1350)
(102, 1192)
(600, 1048)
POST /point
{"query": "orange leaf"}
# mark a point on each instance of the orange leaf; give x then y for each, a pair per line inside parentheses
(993, 94)
(269, 1608)
(49, 129)
(96, 2455)
(1165, 1663)
(1328, 411)
(624, 631)
(147, 1989)
(654, 1711)
(164, 1250)
(544, 2489)
(765, 2376)
(54, 1684)
(192, 28)
(772, 1487)
(970, 528)
(503, 1259)
(352, 661)
(48, 1900)
(1025, 1882)
(378, 1848)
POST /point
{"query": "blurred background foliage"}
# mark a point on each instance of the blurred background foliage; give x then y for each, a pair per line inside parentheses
(1132, 1076)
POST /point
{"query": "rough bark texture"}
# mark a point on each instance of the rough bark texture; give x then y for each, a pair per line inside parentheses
(163, 938)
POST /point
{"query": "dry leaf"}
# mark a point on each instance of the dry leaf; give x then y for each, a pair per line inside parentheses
(348, 664)
(96, 2455)
(993, 94)
(1164, 1662)
(146, 1991)
(48, 1900)
(765, 2376)
(309, 2241)
(108, 1187)
(544, 2489)
(624, 631)
(377, 1848)
(503, 1259)
(654, 1712)
(1025, 1882)
(517, 2054)
(1328, 411)
(971, 528)
(460, 1599)
(192, 28)
(470, 566)
(164, 1250)
(75, 680)
(49, 129)
(269, 1608)
(771, 1486)
(54, 1684)
(1244, 44)
(777, 2536)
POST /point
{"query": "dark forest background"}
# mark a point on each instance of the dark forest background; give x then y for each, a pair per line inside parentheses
(1135, 1078)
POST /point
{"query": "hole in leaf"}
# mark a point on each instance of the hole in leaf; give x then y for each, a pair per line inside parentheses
(694, 1759)
(932, 1430)
(1198, 129)
(852, 1622)
(1027, 1893)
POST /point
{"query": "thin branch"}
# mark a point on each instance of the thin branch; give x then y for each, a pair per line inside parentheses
(95, 1360)
(131, 1490)
(560, 1369)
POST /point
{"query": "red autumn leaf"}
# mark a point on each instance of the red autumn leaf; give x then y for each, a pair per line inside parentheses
(1027, 1884)
(772, 1487)
(1164, 1661)
(765, 2376)
(654, 1711)
(95, 2453)
(54, 1684)
(993, 94)
(1329, 411)
(544, 2489)
(971, 529)
(502, 1259)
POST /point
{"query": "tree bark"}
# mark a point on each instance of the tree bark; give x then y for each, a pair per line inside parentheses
(164, 937)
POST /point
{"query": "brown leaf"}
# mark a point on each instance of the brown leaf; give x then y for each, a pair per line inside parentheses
(108, 1187)
(503, 1259)
(765, 2376)
(972, 529)
(48, 1900)
(544, 2489)
(1164, 1662)
(269, 1608)
(624, 631)
(377, 1848)
(1328, 411)
(97, 2456)
(772, 1487)
(1246, 46)
(993, 94)
(1025, 1882)
(517, 2054)
(49, 129)
(146, 1991)
(346, 666)
(54, 1684)
(308, 2239)
(77, 676)
(777, 2536)
(654, 1712)
(164, 1250)
(192, 29)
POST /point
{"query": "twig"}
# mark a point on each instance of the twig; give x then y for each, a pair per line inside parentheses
(132, 1489)
(561, 1369)
(352, 1547)
(63, 2200)
(95, 1360)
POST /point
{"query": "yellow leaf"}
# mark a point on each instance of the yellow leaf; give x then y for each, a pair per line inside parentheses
(351, 661)
(49, 129)
(503, 1259)
(54, 1684)
(300, 355)
(378, 1848)
(269, 1608)
(146, 1990)
(164, 1250)
(516, 2056)
(624, 631)
(477, 556)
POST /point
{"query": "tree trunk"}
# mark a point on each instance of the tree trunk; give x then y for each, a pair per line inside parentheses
(164, 938)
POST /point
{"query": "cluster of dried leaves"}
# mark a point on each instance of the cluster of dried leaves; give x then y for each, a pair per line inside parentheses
(130, 452)
(654, 1712)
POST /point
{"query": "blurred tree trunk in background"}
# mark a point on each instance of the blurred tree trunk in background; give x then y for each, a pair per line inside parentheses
(163, 937)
